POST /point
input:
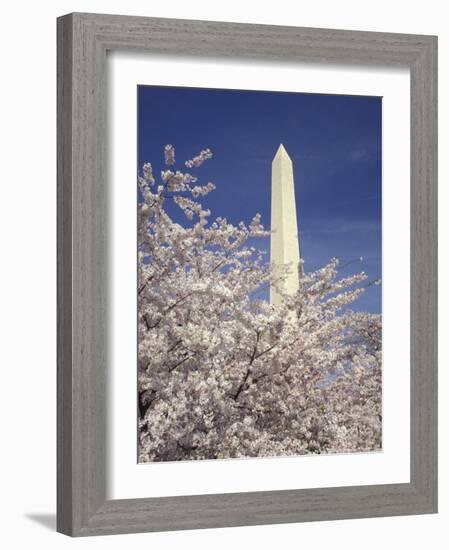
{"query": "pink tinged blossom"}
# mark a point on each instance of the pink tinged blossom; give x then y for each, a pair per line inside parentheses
(222, 373)
(197, 161)
(169, 153)
(202, 190)
(148, 173)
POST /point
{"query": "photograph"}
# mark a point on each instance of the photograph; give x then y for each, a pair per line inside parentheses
(259, 273)
(222, 248)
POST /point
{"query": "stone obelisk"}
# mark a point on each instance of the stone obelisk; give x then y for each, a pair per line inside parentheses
(284, 227)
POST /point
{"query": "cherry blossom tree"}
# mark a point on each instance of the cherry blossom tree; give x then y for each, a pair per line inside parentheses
(222, 372)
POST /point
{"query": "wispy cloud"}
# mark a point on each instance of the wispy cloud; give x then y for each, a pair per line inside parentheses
(340, 226)
(359, 155)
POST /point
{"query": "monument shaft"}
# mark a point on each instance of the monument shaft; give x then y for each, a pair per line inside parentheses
(284, 246)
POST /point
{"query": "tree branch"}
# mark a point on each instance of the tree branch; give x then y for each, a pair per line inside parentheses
(249, 370)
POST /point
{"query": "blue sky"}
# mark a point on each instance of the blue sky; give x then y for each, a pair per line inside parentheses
(334, 142)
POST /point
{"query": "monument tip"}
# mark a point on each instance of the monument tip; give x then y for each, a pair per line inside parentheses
(281, 151)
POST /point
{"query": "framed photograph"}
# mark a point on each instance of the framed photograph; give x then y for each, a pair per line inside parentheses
(247, 274)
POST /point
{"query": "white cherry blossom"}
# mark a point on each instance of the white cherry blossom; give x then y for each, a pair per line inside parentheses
(222, 373)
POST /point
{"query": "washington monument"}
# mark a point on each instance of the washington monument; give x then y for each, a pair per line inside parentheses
(284, 245)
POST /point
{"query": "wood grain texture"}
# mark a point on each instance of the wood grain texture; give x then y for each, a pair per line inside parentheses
(64, 276)
(83, 40)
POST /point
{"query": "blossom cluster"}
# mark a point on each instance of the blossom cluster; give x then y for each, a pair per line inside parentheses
(197, 161)
(223, 373)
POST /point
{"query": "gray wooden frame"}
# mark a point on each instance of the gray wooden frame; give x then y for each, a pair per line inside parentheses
(83, 40)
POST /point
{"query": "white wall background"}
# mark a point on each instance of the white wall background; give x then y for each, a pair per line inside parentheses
(27, 274)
